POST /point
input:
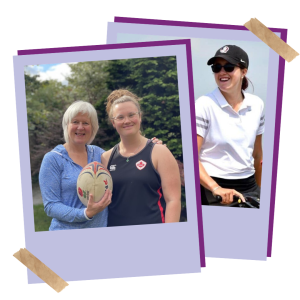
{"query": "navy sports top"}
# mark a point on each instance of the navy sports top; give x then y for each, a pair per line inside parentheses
(137, 194)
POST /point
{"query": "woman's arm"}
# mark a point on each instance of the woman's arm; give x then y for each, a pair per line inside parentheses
(258, 157)
(50, 182)
(205, 179)
(207, 182)
(167, 167)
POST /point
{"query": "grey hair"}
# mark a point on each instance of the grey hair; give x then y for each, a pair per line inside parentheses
(84, 108)
(122, 100)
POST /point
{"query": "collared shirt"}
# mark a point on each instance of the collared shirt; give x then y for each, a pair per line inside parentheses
(228, 136)
(58, 182)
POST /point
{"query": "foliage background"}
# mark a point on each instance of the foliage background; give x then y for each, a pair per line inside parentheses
(153, 79)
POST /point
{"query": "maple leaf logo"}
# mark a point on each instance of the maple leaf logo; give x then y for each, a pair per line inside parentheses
(141, 164)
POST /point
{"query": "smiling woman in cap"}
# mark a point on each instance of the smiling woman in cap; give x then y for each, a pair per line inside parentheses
(230, 124)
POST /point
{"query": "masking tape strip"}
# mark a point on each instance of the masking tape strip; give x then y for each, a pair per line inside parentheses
(271, 39)
(40, 269)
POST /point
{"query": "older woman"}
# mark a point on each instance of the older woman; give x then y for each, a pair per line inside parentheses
(60, 169)
(230, 124)
(145, 175)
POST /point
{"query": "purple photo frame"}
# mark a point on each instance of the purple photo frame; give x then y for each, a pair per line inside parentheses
(36, 242)
(240, 29)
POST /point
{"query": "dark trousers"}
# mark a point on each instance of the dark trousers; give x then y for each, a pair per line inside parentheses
(245, 186)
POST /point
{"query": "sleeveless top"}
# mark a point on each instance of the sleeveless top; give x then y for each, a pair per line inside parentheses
(137, 194)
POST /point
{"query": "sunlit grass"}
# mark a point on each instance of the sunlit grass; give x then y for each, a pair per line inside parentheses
(41, 220)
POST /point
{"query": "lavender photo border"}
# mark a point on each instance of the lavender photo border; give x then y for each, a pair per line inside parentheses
(67, 49)
(283, 36)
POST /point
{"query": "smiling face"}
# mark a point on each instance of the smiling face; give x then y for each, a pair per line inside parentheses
(131, 120)
(80, 129)
(229, 82)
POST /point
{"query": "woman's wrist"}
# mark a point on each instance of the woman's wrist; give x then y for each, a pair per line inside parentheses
(212, 186)
(215, 188)
(87, 214)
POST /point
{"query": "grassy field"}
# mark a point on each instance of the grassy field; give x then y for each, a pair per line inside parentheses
(41, 220)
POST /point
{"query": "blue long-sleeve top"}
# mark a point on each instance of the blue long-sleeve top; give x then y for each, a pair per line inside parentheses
(58, 184)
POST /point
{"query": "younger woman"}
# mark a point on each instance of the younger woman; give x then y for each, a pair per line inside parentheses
(230, 124)
(145, 176)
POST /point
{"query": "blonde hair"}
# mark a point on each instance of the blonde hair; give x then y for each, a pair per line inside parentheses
(84, 108)
(121, 96)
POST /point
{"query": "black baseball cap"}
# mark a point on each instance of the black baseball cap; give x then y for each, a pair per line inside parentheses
(232, 54)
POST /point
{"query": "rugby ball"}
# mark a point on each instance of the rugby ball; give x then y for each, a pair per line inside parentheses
(93, 179)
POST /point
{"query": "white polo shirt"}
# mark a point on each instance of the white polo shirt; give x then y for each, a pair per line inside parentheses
(228, 136)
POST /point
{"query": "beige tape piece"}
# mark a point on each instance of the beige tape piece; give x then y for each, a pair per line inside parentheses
(271, 39)
(40, 269)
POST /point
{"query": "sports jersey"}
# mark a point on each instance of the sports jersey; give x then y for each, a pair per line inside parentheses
(137, 193)
(228, 136)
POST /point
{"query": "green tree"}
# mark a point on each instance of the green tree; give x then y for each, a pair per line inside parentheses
(45, 103)
(155, 81)
(89, 83)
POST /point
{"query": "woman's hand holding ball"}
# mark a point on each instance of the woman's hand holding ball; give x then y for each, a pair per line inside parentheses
(94, 208)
